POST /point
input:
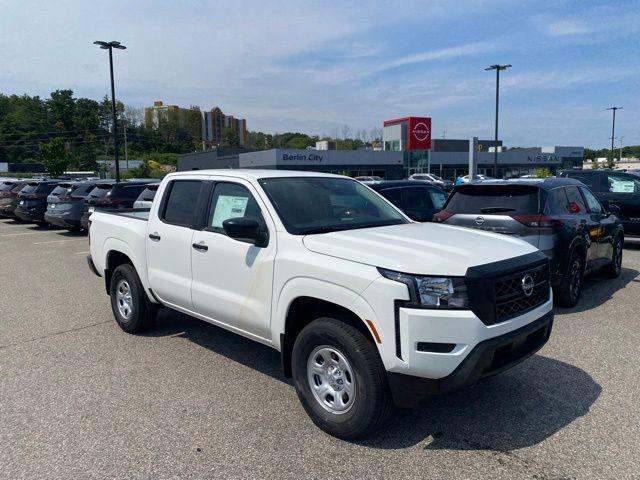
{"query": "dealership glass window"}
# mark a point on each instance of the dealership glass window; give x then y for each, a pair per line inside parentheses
(574, 197)
(232, 200)
(181, 203)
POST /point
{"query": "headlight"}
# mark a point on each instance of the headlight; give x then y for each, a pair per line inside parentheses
(435, 292)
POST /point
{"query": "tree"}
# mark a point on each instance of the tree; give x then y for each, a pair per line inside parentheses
(54, 156)
(230, 138)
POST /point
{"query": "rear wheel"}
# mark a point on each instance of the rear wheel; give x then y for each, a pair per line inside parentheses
(131, 308)
(568, 293)
(340, 379)
(613, 269)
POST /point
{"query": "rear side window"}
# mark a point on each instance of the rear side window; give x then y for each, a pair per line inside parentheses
(576, 204)
(438, 198)
(496, 199)
(593, 205)
(181, 202)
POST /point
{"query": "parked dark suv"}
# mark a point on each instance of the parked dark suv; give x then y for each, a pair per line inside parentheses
(67, 207)
(614, 188)
(9, 190)
(418, 200)
(113, 196)
(32, 200)
(561, 217)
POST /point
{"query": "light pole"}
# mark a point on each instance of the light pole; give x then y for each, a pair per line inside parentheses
(613, 133)
(497, 68)
(110, 46)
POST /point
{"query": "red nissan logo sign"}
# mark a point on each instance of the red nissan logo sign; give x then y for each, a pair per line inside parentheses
(420, 131)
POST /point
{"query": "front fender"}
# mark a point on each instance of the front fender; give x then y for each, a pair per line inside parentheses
(329, 292)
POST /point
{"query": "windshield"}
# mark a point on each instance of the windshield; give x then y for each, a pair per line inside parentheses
(309, 205)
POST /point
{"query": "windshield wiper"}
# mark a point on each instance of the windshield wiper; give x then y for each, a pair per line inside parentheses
(496, 209)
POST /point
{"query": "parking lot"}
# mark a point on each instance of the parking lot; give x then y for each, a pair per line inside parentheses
(79, 398)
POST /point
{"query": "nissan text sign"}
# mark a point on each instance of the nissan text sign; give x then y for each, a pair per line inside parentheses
(418, 132)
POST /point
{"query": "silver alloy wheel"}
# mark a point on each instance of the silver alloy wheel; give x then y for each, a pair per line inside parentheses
(576, 278)
(331, 379)
(124, 299)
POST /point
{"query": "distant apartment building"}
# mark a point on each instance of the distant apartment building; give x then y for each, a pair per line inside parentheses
(208, 127)
(214, 123)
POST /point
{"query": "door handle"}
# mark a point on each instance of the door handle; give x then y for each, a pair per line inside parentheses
(154, 236)
(200, 247)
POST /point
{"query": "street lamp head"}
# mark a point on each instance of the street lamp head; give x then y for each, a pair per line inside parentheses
(108, 45)
(497, 67)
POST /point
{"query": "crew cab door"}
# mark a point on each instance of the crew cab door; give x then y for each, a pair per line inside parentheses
(232, 279)
(169, 239)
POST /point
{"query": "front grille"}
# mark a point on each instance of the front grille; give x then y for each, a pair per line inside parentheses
(496, 291)
(510, 297)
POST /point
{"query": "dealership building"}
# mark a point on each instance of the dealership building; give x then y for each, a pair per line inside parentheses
(407, 148)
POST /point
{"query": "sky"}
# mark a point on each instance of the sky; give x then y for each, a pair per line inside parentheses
(317, 66)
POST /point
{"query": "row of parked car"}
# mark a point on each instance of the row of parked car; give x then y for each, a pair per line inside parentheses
(68, 204)
(579, 220)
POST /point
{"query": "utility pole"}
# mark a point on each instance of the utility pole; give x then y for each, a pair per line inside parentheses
(497, 68)
(620, 156)
(126, 153)
(613, 133)
(110, 46)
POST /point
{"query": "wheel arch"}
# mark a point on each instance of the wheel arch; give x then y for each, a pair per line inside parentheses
(319, 299)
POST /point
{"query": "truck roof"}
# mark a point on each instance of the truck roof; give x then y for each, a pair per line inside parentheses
(255, 174)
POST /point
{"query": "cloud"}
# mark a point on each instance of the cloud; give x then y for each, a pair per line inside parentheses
(567, 27)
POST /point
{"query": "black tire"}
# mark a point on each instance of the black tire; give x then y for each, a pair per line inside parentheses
(570, 288)
(371, 403)
(141, 312)
(613, 269)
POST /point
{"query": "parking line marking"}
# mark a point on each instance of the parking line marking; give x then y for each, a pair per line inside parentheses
(81, 253)
(24, 233)
(60, 241)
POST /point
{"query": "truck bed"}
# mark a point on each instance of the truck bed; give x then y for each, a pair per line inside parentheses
(121, 230)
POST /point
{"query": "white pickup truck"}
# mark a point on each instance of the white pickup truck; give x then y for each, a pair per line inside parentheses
(367, 308)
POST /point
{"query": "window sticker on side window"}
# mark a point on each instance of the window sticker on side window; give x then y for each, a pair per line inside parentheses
(228, 206)
(621, 186)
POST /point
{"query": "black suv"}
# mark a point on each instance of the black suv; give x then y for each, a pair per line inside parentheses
(32, 200)
(560, 216)
(113, 196)
(419, 200)
(614, 188)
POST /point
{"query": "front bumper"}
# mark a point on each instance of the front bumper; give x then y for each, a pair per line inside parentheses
(7, 211)
(486, 358)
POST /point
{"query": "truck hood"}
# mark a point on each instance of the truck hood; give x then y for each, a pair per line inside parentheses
(420, 248)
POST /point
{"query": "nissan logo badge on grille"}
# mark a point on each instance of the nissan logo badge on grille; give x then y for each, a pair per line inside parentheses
(527, 285)
(479, 220)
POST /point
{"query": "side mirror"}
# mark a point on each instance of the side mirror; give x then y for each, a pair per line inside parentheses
(614, 209)
(245, 229)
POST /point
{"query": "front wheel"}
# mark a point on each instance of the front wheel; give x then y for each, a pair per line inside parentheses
(340, 379)
(131, 308)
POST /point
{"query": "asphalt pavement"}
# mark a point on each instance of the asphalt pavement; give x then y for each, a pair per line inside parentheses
(79, 398)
